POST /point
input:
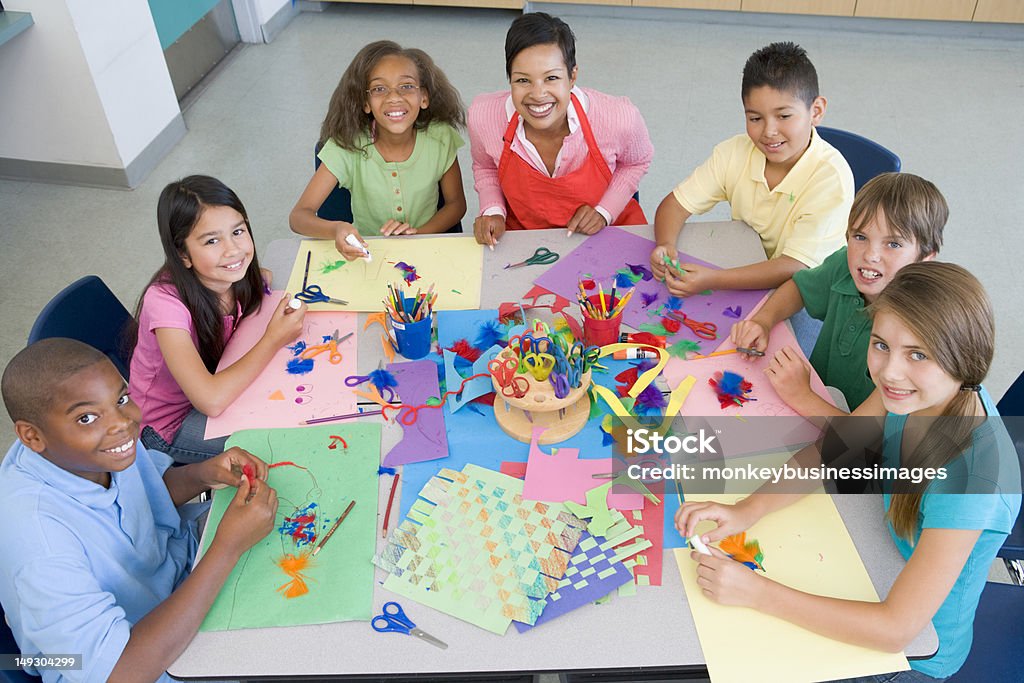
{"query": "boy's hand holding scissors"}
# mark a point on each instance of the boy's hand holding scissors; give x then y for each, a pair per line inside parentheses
(750, 334)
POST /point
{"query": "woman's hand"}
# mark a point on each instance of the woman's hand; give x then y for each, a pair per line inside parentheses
(658, 255)
(586, 220)
(488, 230)
(393, 227)
(731, 519)
(728, 582)
(285, 323)
(349, 251)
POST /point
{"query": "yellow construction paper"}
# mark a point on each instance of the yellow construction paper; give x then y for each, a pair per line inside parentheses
(452, 264)
(675, 402)
(806, 546)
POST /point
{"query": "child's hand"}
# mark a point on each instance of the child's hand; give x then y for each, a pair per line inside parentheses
(750, 334)
(349, 251)
(488, 230)
(586, 220)
(249, 517)
(728, 582)
(286, 323)
(790, 374)
(393, 227)
(694, 280)
(658, 266)
(731, 519)
(222, 470)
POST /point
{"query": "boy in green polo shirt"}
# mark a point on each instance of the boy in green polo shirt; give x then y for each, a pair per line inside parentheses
(896, 219)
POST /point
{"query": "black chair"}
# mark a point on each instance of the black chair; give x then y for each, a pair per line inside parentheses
(88, 311)
(9, 646)
(866, 157)
(338, 205)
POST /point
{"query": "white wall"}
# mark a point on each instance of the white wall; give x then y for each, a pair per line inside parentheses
(265, 9)
(87, 84)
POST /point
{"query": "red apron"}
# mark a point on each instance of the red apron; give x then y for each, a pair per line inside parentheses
(536, 200)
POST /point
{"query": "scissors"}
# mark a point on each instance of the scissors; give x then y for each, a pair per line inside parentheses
(543, 256)
(356, 380)
(312, 294)
(539, 365)
(392, 619)
(703, 330)
(331, 346)
(582, 356)
(504, 370)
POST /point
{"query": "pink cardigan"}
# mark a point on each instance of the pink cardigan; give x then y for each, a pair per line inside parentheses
(618, 128)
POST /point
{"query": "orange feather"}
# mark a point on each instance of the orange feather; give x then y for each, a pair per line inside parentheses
(293, 566)
(737, 548)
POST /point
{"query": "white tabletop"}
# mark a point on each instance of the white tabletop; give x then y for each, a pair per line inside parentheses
(652, 629)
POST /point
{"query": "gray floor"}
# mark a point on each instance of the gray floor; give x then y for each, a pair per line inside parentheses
(948, 105)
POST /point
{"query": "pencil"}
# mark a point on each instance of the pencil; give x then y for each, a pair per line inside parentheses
(332, 418)
(334, 527)
(391, 499)
(710, 355)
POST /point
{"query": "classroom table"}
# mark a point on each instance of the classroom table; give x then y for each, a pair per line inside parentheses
(652, 630)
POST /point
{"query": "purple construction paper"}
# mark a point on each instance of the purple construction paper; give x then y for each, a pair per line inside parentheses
(601, 255)
(426, 438)
(572, 598)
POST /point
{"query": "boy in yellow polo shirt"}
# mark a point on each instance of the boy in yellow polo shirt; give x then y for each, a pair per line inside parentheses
(780, 178)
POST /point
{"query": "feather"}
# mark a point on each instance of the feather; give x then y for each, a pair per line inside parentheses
(293, 566)
(299, 366)
(463, 349)
(730, 388)
(733, 312)
(681, 348)
(671, 326)
(674, 303)
(588, 284)
(739, 549)
(382, 379)
(489, 333)
(651, 398)
(647, 338)
(624, 281)
(642, 271)
(381, 470)
(657, 329)
(648, 298)
(408, 272)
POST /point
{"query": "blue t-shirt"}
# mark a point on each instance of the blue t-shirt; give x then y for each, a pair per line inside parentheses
(82, 564)
(989, 465)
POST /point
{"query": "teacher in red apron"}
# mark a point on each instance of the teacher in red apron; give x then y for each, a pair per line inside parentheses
(549, 154)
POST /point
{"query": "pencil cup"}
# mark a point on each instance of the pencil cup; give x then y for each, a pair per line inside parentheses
(598, 331)
(412, 339)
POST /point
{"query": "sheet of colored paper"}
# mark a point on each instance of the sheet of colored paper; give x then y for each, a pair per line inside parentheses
(340, 578)
(649, 561)
(424, 439)
(289, 391)
(561, 475)
(452, 264)
(601, 255)
(703, 402)
(807, 547)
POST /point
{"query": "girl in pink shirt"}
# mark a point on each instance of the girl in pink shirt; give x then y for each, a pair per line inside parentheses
(549, 154)
(210, 280)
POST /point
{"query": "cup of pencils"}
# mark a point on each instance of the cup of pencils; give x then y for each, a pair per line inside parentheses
(411, 320)
(602, 316)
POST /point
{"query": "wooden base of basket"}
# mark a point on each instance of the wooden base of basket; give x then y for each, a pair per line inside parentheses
(563, 418)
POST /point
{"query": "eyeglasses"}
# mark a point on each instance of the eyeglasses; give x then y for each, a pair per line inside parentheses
(404, 89)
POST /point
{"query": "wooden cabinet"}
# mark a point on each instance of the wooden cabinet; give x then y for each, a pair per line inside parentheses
(1011, 11)
(948, 10)
(839, 8)
(733, 5)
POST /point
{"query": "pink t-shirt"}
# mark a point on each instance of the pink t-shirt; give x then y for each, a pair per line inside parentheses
(152, 386)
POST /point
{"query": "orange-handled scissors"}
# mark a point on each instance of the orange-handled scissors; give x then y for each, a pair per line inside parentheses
(330, 345)
(504, 371)
(707, 331)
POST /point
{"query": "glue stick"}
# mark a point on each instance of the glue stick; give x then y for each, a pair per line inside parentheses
(698, 544)
(634, 354)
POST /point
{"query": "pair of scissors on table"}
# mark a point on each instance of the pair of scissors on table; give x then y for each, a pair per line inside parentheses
(504, 370)
(312, 294)
(543, 256)
(392, 619)
(583, 357)
(565, 378)
(707, 331)
(387, 393)
(330, 346)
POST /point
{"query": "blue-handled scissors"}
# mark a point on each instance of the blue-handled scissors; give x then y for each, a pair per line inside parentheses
(583, 357)
(392, 619)
(312, 294)
(543, 256)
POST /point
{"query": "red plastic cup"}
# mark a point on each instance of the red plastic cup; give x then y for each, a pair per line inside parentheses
(600, 332)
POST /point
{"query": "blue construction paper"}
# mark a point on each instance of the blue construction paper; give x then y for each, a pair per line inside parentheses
(455, 325)
(473, 388)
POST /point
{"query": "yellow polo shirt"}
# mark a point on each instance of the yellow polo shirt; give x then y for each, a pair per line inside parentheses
(803, 217)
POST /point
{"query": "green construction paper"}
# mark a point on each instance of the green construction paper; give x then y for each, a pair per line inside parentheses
(340, 578)
(596, 510)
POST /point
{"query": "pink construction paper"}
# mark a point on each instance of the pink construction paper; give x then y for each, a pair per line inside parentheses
(426, 438)
(301, 397)
(601, 255)
(562, 475)
(702, 401)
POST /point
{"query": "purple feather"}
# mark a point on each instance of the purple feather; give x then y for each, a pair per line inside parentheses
(733, 312)
(648, 298)
(641, 270)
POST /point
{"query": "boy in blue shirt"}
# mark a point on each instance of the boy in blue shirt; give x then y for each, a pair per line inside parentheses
(96, 558)
(896, 219)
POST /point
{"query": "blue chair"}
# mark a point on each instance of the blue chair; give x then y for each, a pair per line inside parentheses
(866, 157)
(998, 633)
(9, 646)
(338, 205)
(88, 311)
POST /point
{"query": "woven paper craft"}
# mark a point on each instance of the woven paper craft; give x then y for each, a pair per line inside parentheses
(596, 569)
(473, 548)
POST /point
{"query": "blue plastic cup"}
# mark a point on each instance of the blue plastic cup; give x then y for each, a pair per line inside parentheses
(412, 339)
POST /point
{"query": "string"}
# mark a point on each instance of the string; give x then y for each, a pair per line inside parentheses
(413, 411)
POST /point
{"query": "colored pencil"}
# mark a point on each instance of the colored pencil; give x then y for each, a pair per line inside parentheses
(333, 418)
(305, 276)
(391, 499)
(334, 527)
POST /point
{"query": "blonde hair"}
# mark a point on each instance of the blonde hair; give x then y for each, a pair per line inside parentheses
(913, 207)
(346, 121)
(945, 307)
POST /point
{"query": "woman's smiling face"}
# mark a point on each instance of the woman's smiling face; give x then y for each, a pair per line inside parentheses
(541, 84)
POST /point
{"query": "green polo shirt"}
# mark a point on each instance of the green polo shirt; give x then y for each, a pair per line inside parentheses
(840, 355)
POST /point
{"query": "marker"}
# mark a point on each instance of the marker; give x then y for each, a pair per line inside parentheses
(698, 544)
(351, 239)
